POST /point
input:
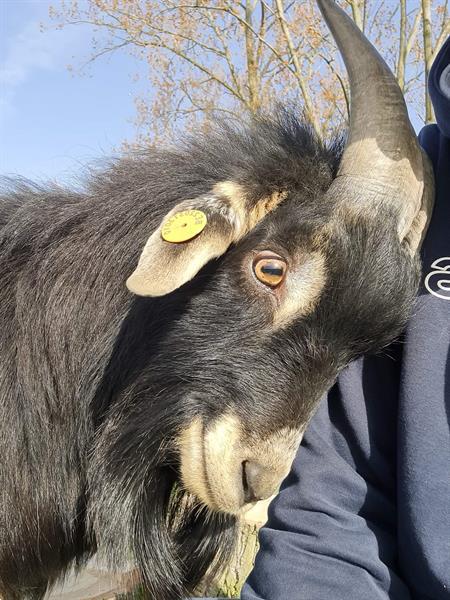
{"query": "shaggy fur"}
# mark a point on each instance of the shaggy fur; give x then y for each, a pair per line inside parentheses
(95, 384)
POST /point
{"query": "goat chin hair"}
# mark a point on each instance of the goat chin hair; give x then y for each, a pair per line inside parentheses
(173, 540)
(141, 514)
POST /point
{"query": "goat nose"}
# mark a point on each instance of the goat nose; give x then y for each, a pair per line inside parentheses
(258, 482)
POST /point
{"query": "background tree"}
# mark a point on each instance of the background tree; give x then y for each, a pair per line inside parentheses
(206, 57)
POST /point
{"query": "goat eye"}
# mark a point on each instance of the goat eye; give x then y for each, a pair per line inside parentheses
(270, 270)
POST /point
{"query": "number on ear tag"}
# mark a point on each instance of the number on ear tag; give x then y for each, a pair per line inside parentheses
(183, 226)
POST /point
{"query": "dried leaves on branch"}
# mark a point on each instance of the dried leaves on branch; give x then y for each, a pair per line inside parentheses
(231, 57)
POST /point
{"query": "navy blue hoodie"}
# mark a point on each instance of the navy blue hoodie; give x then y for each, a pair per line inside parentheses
(365, 512)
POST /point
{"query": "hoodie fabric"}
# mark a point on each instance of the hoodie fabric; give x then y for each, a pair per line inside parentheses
(365, 512)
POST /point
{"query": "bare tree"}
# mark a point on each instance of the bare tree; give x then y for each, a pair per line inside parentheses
(211, 56)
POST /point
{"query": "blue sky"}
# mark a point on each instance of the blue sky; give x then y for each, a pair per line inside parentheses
(51, 121)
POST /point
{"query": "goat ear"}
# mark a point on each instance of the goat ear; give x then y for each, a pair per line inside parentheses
(226, 215)
(190, 235)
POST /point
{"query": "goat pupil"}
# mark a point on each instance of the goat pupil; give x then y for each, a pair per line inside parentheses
(272, 270)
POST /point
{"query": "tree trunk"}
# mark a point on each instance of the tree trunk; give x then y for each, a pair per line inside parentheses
(229, 583)
(428, 54)
(252, 65)
(401, 63)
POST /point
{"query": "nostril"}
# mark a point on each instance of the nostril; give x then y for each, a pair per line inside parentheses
(252, 474)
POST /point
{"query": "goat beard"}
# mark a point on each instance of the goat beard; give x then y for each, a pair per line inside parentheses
(138, 512)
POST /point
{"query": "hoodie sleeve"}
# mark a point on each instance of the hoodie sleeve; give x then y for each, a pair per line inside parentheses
(331, 532)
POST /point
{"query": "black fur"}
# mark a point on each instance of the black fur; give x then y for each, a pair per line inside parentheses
(96, 383)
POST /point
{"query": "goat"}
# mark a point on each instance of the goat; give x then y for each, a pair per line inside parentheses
(261, 261)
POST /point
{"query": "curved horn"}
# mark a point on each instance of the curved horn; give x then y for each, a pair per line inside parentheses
(382, 160)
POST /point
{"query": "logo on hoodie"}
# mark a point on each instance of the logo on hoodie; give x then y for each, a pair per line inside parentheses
(437, 281)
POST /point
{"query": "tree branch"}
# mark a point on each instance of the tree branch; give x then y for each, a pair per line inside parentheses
(301, 82)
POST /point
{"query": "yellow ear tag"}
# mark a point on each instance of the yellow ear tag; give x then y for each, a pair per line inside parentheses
(183, 226)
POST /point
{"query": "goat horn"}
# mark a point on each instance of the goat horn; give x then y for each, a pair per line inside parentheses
(382, 161)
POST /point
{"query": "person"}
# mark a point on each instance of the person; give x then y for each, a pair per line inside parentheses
(365, 511)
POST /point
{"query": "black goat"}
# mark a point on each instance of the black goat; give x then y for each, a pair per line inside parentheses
(140, 426)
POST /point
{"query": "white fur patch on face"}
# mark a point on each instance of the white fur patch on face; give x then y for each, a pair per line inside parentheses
(303, 286)
(223, 463)
(192, 461)
(245, 218)
(212, 459)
